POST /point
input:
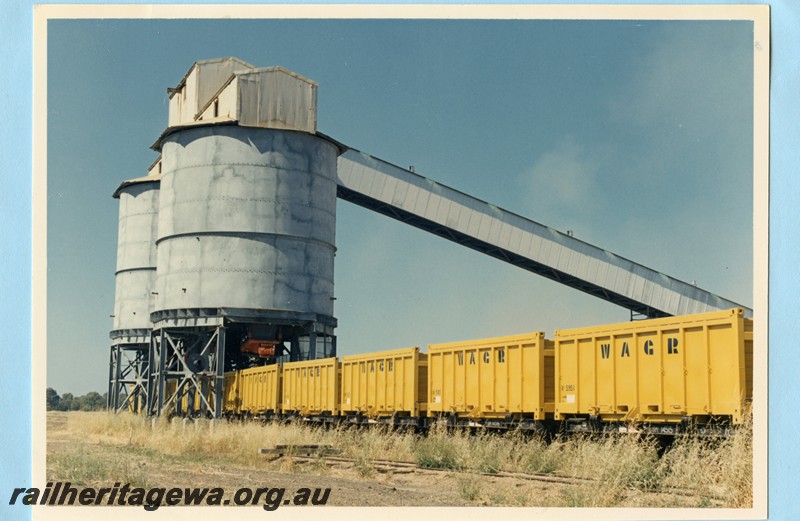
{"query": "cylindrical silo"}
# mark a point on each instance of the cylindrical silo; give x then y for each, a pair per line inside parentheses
(136, 256)
(135, 282)
(247, 220)
(246, 233)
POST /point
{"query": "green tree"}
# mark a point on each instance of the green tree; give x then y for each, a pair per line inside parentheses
(53, 399)
(92, 402)
(68, 403)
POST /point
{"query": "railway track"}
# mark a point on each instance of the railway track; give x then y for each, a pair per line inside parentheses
(409, 467)
(328, 454)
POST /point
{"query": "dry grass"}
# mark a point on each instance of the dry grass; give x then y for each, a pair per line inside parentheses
(712, 468)
(623, 470)
(82, 468)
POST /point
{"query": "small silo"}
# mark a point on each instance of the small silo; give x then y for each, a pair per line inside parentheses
(135, 280)
(246, 233)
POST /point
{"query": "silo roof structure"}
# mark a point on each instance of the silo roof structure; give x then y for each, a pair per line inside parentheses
(150, 178)
(200, 83)
(266, 97)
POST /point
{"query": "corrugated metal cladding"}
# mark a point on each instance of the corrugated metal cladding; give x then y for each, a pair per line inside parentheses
(573, 262)
(277, 98)
(230, 89)
(222, 107)
(385, 383)
(136, 254)
(201, 83)
(492, 377)
(247, 219)
(657, 370)
(260, 390)
(311, 387)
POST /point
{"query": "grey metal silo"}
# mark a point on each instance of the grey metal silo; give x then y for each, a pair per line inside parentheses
(135, 280)
(246, 234)
(247, 221)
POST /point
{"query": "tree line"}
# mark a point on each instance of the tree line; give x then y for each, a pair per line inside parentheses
(91, 401)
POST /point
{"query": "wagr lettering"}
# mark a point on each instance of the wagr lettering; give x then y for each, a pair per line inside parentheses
(487, 357)
(672, 348)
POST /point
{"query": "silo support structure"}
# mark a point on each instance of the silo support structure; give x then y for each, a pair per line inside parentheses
(187, 375)
(316, 342)
(128, 377)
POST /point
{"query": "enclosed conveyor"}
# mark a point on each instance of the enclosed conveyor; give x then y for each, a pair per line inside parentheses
(443, 211)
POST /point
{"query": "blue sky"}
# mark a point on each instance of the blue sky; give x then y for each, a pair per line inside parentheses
(636, 135)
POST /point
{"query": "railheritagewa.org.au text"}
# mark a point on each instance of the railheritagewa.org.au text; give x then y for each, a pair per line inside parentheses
(65, 493)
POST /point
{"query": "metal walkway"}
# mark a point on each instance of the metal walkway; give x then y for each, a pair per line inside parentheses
(438, 209)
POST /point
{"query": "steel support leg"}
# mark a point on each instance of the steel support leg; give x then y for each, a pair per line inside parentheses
(110, 404)
(312, 345)
(219, 383)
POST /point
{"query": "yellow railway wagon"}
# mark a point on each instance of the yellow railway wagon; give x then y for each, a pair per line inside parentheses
(169, 389)
(385, 384)
(260, 389)
(312, 387)
(659, 370)
(510, 376)
(231, 393)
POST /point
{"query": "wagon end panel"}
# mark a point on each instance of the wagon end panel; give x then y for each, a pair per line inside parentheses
(349, 382)
(421, 399)
(232, 399)
(748, 359)
(549, 380)
(730, 361)
(566, 376)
